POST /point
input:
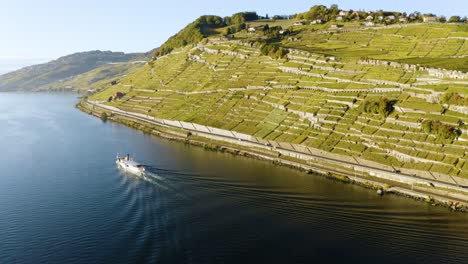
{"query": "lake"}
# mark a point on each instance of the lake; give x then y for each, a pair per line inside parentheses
(63, 200)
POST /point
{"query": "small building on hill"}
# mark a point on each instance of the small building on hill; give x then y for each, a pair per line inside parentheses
(336, 26)
(429, 19)
(317, 21)
(369, 24)
(343, 13)
(340, 18)
(390, 18)
(299, 23)
(369, 18)
(255, 29)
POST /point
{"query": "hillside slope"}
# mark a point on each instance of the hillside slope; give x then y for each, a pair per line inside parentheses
(61, 70)
(345, 90)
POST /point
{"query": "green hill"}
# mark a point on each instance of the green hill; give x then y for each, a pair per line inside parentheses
(60, 73)
(376, 92)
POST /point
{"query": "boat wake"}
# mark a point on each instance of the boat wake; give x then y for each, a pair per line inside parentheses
(161, 178)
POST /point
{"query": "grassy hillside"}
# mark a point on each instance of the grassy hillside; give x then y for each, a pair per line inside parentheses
(352, 90)
(93, 80)
(64, 69)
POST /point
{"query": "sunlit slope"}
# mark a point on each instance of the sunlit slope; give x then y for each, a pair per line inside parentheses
(326, 93)
(435, 45)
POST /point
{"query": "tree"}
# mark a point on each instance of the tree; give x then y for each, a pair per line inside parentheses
(441, 130)
(454, 19)
(332, 12)
(381, 106)
(316, 12)
(453, 98)
(442, 19)
(104, 117)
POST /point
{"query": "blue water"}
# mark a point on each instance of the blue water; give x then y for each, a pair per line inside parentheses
(63, 200)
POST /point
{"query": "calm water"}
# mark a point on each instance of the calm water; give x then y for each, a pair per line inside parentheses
(62, 200)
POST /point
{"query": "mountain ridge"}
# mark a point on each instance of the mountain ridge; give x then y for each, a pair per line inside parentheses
(32, 77)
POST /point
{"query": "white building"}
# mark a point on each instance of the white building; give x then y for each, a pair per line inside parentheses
(343, 13)
(429, 19)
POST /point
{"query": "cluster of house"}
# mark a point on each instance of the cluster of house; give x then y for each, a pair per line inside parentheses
(388, 18)
(370, 20)
(262, 27)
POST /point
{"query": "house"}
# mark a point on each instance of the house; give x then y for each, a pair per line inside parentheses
(343, 13)
(369, 18)
(299, 23)
(429, 19)
(255, 29)
(369, 24)
(317, 21)
(380, 18)
(340, 18)
(336, 26)
(403, 19)
(390, 18)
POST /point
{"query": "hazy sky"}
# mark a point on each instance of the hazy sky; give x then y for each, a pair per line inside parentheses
(39, 30)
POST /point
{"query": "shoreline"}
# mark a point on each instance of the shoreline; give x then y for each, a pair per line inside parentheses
(383, 186)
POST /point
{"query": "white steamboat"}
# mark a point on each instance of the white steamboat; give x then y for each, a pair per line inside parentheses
(129, 165)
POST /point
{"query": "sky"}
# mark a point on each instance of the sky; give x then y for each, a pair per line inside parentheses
(40, 30)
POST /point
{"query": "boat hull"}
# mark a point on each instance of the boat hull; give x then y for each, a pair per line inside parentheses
(130, 169)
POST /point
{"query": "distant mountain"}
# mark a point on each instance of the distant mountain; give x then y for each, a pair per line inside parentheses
(61, 70)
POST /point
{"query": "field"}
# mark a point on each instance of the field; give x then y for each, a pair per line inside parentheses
(315, 95)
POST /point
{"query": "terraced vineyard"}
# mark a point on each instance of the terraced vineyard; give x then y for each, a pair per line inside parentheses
(324, 94)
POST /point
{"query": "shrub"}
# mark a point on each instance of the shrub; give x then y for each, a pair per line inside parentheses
(273, 50)
(441, 130)
(454, 98)
(104, 117)
(381, 106)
